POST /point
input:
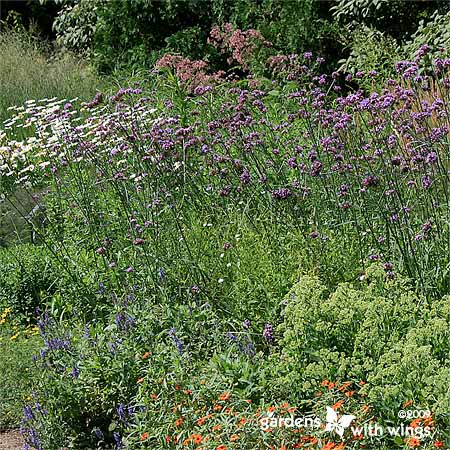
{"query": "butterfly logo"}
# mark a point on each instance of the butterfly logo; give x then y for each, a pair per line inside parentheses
(338, 426)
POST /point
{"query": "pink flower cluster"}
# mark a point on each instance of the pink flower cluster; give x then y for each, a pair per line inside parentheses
(194, 73)
(242, 45)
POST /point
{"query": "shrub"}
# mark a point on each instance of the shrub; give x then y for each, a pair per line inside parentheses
(292, 27)
(75, 26)
(395, 18)
(126, 33)
(432, 31)
(380, 332)
(369, 50)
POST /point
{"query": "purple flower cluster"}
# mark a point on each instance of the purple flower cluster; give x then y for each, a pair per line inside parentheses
(176, 340)
(268, 334)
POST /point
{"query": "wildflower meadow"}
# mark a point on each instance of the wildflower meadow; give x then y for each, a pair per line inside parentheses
(255, 258)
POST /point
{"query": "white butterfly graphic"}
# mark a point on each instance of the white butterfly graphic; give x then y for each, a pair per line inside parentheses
(339, 426)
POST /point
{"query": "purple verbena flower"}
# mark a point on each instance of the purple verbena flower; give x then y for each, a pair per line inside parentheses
(268, 334)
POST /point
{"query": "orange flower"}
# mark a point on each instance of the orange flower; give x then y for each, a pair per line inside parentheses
(349, 393)
(139, 380)
(217, 427)
(242, 421)
(179, 422)
(146, 355)
(248, 400)
(225, 396)
(413, 442)
(344, 386)
(197, 438)
(328, 446)
(221, 447)
(217, 407)
(202, 420)
(428, 421)
(408, 403)
(415, 423)
(168, 439)
(188, 391)
(331, 385)
(271, 409)
(340, 446)
(438, 444)
(325, 383)
(365, 408)
(338, 405)
(144, 436)
(234, 437)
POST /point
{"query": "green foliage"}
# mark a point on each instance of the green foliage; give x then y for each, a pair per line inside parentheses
(127, 32)
(17, 375)
(153, 271)
(369, 49)
(133, 33)
(434, 32)
(27, 279)
(82, 390)
(417, 366)
(377, 33)
(34, 16)
(75, 26)
(190, 41)
(394, 17)
(381, 332)
(13, 223)
(291, 26)
(222, 395)
(27, 72)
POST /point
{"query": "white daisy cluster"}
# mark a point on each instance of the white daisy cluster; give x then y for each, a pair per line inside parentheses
(44, 135)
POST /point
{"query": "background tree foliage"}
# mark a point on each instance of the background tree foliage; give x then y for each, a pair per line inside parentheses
(368, 34)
